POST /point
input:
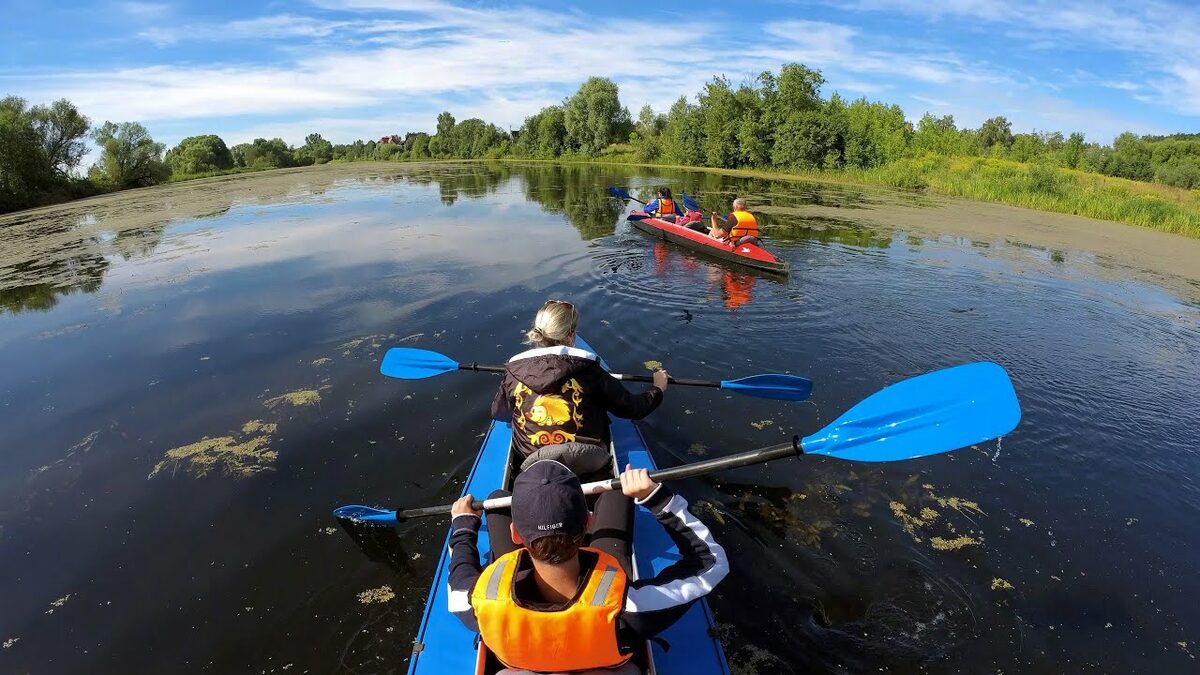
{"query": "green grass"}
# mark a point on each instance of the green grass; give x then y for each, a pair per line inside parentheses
(1045, 188)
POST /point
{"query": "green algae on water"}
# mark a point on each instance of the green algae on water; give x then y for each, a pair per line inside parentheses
(999, 584)
(298, 398)
(377, 595)
(653, 365)
(961, 541)
(232, 456)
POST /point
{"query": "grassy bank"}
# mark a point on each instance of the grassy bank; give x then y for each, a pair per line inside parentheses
(1040, 187)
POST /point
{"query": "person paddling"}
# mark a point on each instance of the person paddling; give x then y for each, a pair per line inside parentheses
(558, 397)
(740, 223)
(550, 604)
(664, 206)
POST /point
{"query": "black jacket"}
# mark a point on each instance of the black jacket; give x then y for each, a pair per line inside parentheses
(557, 395)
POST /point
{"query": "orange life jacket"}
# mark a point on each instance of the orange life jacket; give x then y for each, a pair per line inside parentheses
(581, 636)
(746, 225)
(666, 207)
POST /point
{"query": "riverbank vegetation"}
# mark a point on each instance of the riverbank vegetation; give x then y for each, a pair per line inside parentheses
(778, 123)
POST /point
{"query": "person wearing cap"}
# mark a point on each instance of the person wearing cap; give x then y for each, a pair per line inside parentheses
(548, 591)
(558, 397)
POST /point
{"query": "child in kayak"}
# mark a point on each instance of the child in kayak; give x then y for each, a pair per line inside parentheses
(664, 206)
(548, 604)
(557, 397)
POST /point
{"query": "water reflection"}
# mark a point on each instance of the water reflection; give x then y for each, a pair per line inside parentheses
(256, 311)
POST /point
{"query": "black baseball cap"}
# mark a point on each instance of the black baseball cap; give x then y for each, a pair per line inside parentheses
(548, 499)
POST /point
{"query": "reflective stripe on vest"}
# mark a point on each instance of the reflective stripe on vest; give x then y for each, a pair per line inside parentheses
(665, 207)
(580, 636)
(746, 225)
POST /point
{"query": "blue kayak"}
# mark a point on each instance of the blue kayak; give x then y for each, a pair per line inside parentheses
(444, 646)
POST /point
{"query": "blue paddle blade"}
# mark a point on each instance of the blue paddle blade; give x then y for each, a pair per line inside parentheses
(367, 514)
(772, 385)
(407, 363)
(689, 203)
(925, 415)
(619, 192)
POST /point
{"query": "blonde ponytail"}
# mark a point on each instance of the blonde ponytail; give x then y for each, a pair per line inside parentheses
(554, 323)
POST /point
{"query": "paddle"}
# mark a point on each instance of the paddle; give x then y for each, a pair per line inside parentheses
(921, 416)
(621, 193)
(407, 363)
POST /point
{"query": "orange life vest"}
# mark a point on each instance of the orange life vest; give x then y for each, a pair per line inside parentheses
(581, 636)
(666, 207)
(746, 225)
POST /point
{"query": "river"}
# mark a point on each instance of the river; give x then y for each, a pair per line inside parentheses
(189, 384)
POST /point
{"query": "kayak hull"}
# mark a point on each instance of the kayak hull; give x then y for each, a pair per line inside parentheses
(749, 255)
(444, 646)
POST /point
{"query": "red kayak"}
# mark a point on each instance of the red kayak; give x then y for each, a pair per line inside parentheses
(747, 254)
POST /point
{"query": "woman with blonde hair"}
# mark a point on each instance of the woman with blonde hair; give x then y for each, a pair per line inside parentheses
(558, 397)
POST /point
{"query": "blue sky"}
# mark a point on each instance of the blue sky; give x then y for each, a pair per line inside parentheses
(364, 68)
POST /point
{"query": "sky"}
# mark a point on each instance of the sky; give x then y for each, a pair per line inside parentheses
(353, 69)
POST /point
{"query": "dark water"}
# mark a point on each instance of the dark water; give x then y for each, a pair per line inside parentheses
(177, 318)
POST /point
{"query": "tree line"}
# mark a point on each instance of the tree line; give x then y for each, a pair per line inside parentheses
(773, 121)
(779, 121)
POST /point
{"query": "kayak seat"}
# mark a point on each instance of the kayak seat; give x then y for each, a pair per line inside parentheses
(584, 459)
(748, 239)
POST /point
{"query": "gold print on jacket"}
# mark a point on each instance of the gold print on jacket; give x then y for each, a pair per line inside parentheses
(543, 421)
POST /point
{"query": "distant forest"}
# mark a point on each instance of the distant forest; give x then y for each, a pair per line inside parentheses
(777, 121)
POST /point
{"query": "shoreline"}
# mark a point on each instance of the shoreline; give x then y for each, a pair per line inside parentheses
(1165, 259)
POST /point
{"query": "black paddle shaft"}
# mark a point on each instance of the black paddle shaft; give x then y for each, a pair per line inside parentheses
(791, 449)
(673, 380)
(479, 368)
(692, 470)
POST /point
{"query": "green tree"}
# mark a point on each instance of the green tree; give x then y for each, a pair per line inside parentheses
(265, 154)
(1027, 147)
(39, 148)
(939, 136)
(199, 154)
(1072, 150)
(60, 130)
(683, 137)
(876, 134)
(129, 157)
(316, 150)
(1130, 158)
(996, 131)
(721, 114)
(420, 146)
(593, 117)
(646, 137)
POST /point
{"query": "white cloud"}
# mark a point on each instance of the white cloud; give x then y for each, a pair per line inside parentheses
(144, 10)
(1162, 37)
(415, 57)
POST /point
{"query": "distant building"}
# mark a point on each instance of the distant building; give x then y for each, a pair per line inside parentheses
(391, 140)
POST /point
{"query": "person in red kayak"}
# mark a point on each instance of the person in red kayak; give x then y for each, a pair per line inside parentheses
(557, 397)
(664, 206)
(549, 604)
(740, 224)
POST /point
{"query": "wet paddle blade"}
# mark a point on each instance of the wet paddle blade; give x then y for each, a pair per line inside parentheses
(619, 193)
(357, 513)
(772, 385)
(925, 415)
(689, 203)
(407, 363)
